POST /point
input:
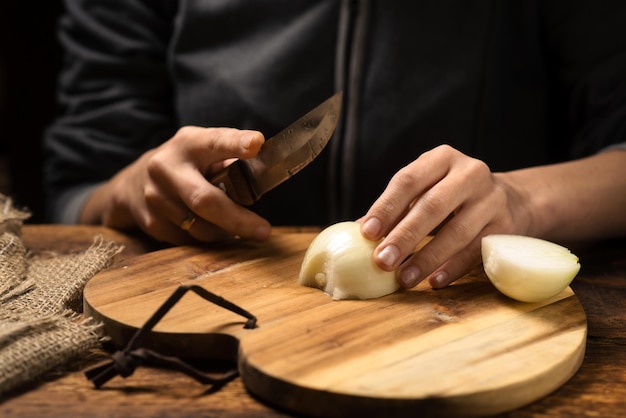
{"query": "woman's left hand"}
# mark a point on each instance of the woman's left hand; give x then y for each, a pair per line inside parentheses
(421, 197)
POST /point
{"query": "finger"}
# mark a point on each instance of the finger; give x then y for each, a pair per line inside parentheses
(215, 212)
(407, 185)
(214, 206)
(427, 212)
(459, 265)
(154, 223)
(461, 188)
(206, 146)
(205, 149)
(167, 223)
(142, 214)
(180, 173)
(459, 234)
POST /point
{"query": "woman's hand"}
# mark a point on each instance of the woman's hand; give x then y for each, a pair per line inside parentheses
(421, 196)
(168, 185)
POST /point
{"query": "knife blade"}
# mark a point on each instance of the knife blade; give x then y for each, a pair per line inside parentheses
(281, 156)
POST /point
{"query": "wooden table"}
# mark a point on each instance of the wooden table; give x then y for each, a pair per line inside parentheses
(597, 390)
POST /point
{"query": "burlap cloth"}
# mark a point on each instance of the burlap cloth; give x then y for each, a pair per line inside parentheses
(41, 328)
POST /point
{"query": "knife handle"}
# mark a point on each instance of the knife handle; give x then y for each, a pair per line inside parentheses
(234, 183)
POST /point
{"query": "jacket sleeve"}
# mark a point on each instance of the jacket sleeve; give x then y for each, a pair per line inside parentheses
(586, 44)
(114, 93)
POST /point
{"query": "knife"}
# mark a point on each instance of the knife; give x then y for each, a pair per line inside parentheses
(281, 156)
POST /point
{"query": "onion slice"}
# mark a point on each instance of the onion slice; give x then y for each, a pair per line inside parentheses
(527, 269)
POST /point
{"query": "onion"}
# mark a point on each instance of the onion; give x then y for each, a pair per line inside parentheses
(527, 269)
(340, 262)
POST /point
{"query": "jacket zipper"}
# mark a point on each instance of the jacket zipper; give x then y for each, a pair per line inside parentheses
(352, 36)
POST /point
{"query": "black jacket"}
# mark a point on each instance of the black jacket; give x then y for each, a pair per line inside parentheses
(514, 83)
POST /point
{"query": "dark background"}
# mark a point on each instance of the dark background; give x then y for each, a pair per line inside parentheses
(29, 63)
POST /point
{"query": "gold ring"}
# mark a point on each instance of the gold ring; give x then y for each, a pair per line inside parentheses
(188, 222)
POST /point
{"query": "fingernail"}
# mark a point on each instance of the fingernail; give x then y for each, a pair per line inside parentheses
(439, 280)
(248, 141)
(371, 228)
(389, 255)
(262, 232)
(410, 276)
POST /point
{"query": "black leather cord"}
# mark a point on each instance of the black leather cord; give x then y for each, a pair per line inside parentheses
(124, 362)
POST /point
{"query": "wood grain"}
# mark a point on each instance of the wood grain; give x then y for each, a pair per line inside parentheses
(461, 351)
(598, 389)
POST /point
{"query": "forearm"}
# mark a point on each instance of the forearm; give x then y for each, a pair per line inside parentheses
(91, 212)
(575, 201)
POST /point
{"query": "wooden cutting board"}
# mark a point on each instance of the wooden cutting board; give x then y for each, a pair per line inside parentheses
(466, 350)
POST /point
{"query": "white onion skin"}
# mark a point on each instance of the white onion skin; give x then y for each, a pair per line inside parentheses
(527, 269)
(340, 262)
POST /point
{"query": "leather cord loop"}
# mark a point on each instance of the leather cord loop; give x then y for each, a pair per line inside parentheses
(124, 362)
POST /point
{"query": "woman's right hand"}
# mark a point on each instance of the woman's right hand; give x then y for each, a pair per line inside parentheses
(168, 185)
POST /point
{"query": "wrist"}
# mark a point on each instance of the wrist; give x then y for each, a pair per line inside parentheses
(528, 205)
